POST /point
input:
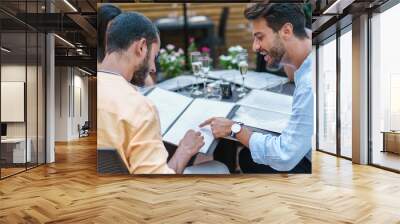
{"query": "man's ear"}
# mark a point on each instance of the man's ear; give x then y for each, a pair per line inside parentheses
(142, 47)
(286, 31)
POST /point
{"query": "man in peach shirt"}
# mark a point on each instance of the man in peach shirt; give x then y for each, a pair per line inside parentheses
(128, 121)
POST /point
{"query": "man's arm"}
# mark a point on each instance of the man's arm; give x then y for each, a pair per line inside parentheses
(221, 127)
(284, 152)
(280, 152)
(188, 147)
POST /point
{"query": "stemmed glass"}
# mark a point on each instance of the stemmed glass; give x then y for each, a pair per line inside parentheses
(205, 61)
(243, 67)
(196, 67)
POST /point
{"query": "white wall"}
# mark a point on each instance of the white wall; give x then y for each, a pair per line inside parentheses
(71, 94)
(12, 73)
(33, 127)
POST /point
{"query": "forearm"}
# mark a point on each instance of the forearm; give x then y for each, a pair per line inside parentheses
(179, 161)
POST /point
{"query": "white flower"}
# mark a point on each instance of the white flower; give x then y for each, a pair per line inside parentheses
(235, 49)
(225, 58)
(173, 58)
(170, 47)
(243, 63)
(180, 51)
(162, 51)
(177, 54)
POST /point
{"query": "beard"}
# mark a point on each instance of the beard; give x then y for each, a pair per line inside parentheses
(140, 75)
(275, 55)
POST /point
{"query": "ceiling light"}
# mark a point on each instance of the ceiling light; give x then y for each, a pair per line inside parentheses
(5, 50)
(65, 41)
(70, 5)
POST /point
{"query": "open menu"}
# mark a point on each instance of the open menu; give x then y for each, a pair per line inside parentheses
(178, 114)
(259, 109)
(169, 104)
(264, 110)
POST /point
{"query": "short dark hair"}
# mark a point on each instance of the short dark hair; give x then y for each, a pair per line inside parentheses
(128, 28)
(278, 14)
(105, 14)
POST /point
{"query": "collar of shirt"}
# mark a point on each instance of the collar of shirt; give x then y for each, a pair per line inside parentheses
(304, 69)
(117, 74)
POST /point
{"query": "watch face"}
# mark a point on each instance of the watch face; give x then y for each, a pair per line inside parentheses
(236, 128)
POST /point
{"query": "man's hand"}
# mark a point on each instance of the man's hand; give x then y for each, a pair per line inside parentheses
(221, 127)
(189, 145)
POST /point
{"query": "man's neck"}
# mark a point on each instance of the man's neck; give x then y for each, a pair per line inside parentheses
(117, 64)
(301, 48)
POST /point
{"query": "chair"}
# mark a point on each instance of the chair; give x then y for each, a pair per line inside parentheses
(223, 20)
(219, 38)
(84, 130)
(110, 162)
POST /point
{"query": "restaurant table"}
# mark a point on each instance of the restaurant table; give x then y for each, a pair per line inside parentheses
(183, 82)
(170, 84)
(225, 151)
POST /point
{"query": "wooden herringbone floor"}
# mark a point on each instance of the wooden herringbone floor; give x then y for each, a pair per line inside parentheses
(70, 191)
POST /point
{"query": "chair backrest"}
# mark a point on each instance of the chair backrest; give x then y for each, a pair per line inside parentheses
(223, 20)
(110, 162)
(86, 125)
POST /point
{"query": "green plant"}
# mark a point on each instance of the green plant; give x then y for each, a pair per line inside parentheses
(229, 61)
(172, 61)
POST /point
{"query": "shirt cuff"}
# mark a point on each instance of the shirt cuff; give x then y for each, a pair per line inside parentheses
(257, 147)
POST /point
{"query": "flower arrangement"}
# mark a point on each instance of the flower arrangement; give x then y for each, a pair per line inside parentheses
(172, 61)
(205, 51)
(229, 61)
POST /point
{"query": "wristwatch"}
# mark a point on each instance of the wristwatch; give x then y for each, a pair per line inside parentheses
(236, 128)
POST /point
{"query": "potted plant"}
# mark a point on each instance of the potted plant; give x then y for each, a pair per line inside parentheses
(229, 61)
(172, 61)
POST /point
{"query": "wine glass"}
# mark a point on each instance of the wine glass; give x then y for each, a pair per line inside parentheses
(205, 61)
(196, 67)
(243, 68)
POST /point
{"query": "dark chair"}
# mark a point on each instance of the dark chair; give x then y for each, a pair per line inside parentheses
(84, 130)
(219, 38)
(110, 162)
(223, 20)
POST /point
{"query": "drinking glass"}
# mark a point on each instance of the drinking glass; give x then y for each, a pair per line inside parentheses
(196, 68)
(242, 59)
(205, 61)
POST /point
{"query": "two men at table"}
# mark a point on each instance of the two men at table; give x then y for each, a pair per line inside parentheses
(127, 121)
(132, 46)
(280, 35)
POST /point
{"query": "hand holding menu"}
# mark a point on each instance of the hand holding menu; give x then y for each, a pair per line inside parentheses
(265, 110)
(199, 111)
(169, 105)
(178, 114)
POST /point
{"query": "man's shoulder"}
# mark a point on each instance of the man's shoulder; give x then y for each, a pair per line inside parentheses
(118, 96)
